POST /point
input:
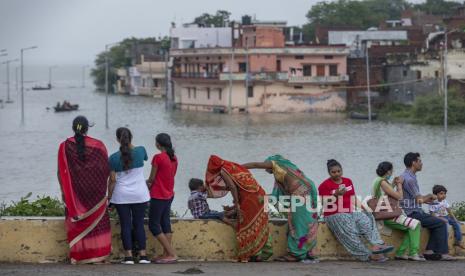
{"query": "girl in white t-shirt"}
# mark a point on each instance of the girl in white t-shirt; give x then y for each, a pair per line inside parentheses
(128, 192)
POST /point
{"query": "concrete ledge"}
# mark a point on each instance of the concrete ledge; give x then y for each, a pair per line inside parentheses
(43, 239)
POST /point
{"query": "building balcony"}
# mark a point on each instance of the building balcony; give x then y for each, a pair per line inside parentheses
(197, 75)
(318, 79)
(269, 76)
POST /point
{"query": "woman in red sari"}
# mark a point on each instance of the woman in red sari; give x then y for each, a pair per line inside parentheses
(252, 231)
(83, 172)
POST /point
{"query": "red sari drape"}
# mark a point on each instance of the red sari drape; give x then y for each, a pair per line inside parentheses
(252, 232)
(84, 185)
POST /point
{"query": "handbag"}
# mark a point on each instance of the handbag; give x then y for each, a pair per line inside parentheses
(388, 208)
(383, 207)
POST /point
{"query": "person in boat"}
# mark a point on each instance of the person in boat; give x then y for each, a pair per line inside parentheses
(66, 105)
(83, 171)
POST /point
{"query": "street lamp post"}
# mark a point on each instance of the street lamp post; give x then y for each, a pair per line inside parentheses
(16, 79)
(8, 100)
(22, 81)
(231, 80)
(368, 81)
(50, 75)
(106, 82)
(84, 75)
(246, 76)
(445, 88)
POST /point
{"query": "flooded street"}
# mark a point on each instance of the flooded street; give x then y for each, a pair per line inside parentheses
(29, 153)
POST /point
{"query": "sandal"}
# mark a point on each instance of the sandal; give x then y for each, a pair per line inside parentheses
(432, 257)
(287, 258)
(379, 260)
(383, 249)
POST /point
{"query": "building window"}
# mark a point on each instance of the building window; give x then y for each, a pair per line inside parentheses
(307, 70)
(418, 75)
(188, 92)
(195, 92)
(320, 70)
(155, 83)
(208, 93)
(328, 57)
(250, 92)
(404, 72)
(278, 65)
(242, 67)
(143, 82)
(220, 94)
(333, 69)
(299, 57)
(298, 87)
(436, 74)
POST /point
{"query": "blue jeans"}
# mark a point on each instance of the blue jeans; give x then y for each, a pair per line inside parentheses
(438, 231)
(132, 216)
(456, 226)
(213, 215)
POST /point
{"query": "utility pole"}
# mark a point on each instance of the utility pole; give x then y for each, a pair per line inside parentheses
(107, 46)
(368, 81)
(246, 76)
(22, 82)
(445, 88)
(16, 78)
(231, 80)
(84, 75)
(8, 100)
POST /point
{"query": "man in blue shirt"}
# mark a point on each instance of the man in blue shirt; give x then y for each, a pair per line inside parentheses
(437, 247)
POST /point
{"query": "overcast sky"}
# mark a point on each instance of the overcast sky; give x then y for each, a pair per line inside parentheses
(74, 31)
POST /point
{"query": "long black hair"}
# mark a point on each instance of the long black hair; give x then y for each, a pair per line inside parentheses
(333, 163)
(124, 137)
(383, 168)
(164, 140)
(80, 127)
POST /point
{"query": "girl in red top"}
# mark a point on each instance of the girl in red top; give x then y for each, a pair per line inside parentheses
(346, 223)
(161, 185)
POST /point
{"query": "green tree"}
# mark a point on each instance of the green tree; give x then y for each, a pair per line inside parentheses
(216, 20)
(359, 14)
(438, 7)
(119, 57)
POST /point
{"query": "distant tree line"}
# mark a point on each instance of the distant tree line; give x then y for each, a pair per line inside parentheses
(119, 57)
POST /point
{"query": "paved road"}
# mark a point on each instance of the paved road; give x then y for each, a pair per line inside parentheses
(262, 269)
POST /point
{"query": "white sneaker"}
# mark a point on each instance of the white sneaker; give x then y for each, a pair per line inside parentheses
(417, 258)
(128, 261)
(401, 258)
(144, 260)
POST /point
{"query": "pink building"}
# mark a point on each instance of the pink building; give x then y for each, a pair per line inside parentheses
(281, 78)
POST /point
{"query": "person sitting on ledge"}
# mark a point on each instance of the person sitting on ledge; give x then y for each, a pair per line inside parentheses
(347, 223)
(437, 247)
(198, 204)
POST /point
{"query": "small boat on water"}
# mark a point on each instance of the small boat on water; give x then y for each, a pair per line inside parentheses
(362, 116)
(48, 87)
(72, 107)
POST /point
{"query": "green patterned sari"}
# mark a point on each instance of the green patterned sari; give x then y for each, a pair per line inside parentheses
(303, 223)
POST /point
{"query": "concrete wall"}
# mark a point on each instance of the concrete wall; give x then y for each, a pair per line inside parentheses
(40, 240)
(267, 97)
(408, 88)
(203, 37)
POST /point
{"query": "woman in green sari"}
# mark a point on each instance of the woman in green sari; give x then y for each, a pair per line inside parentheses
(302, 218)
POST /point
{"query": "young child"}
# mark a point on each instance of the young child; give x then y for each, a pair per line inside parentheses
(198, 205)
(441, 209)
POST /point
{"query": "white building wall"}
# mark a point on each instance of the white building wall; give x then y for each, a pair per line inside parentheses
(202, 37)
